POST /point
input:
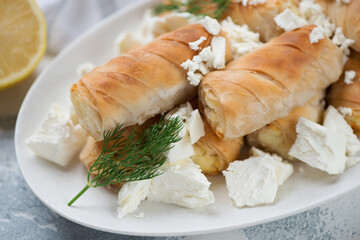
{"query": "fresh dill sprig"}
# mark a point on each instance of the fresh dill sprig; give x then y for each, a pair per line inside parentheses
(137, 157)
(196, 7)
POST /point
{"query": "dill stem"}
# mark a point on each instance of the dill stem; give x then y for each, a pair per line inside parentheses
(79, 194)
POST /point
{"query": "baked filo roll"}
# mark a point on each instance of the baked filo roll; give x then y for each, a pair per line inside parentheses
(269, 83)
(132, 88)
(260, 18)
(346, 16)
(346, 94)
(278, 136)
(213, 154)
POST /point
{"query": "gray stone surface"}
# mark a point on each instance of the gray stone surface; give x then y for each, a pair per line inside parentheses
(23, 216)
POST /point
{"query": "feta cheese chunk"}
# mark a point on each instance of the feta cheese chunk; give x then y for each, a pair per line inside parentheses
(242, 39)
(349, 77)
(130, 196)
(283, 169)
(181, 149)
(251, 182)
(211, 25)
(195, 45)
(195, 126)
(84, 69)
(316, 34)
(335, 121)
(345, 111)
(319, 147)
(288, 21)
(340, 40)
(182, 184)
(313, 14)
(57, 140)
(251, 2)
(218, 48)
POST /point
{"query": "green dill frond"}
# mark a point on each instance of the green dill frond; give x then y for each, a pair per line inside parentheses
(137, 157)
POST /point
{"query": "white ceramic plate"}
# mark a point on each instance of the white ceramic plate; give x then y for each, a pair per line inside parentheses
(55, 186)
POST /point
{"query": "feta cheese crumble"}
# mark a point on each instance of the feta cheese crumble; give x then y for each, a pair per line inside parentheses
(340, 40)
(333, 120)
(218, 48)
(288, 21)
(283, 169)
(84, 69)
(349, 77)
(255, 180)
(343, 1)
(313, 14)
(195, 45)
(241, 38)
(130, 196)
(316, 34)
(58, 139)
(251, 2)
(319, 147)
(211, 25)
(182, 184)
(345, 111)
(210, 57)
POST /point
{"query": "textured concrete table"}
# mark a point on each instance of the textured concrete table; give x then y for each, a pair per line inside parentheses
(23, 216)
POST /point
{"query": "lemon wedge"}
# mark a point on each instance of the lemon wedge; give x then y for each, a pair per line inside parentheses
(22, 40)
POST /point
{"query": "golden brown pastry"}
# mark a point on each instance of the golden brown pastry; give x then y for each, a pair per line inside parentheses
(260, 18)
(268, 83)
(346, 16)
(278, 136)
(213, 154)
(134, 87)
(348, 95)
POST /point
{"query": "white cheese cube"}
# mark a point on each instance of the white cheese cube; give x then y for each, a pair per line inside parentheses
(182, 184)
(130, 196)
(195, 126)
(211, 25)
(288, 21)
(319, 147)
(335, 121)
(57, 139)
(218, 48)
(251, 182)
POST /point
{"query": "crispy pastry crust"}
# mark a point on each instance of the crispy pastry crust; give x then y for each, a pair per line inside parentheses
(348, 95)
(136, 86)
(268, 83)
(346, 16)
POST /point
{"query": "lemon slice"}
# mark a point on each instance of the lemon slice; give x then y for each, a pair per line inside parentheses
(22, 40)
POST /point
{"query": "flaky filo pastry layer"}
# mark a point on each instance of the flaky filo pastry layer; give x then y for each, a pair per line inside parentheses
(279, 136)
(260, 18)
(348, 95)
(346, 16)
(136, 86)
(268, 83)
